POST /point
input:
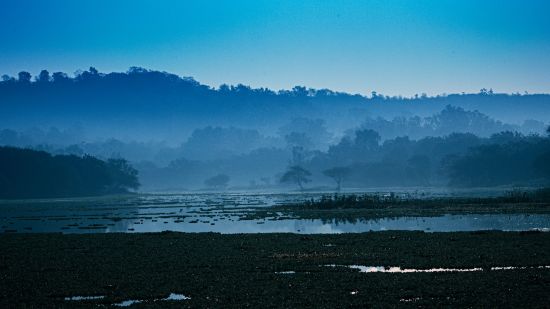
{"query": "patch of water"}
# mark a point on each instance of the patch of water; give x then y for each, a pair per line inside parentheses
(221, 213)
(81, 298)
(397, 269)
(174, 296)
(127, 303)
(171, 297)
(288, 272)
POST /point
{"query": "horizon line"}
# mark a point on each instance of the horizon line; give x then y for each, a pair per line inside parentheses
(373, 94)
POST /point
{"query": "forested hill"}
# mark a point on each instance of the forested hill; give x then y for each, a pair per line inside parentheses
(141, 95)
(26, 173)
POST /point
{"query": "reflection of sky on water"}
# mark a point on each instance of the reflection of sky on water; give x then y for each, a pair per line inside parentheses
(397, 269)
(447, 223)
(220, 213)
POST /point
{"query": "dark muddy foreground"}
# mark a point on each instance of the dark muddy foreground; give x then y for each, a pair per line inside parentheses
(251, 270)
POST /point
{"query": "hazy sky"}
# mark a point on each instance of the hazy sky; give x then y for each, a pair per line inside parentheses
(393, 47)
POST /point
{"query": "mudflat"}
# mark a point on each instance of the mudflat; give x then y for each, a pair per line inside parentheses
(466, 269)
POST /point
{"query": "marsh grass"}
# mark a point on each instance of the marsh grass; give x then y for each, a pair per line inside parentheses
(354, 207)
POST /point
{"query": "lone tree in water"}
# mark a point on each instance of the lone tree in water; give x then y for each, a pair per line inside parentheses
(338, 174)
(218, 182)
(298, 175)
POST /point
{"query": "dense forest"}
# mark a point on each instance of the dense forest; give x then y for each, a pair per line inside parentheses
(143, 105)
(26, 173)
(458, 159)
(180, 134)
(361, 158)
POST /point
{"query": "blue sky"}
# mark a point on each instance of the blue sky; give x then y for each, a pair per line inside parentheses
(393, 47)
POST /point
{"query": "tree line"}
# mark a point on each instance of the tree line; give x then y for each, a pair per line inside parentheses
(26, 173)
(152, 95)
(456, 160)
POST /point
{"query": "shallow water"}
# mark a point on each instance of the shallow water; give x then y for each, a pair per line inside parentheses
(129, 302)
(81, 298)
(399, 270)
(222, 213)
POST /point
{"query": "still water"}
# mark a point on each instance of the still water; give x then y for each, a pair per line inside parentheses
(223, 213)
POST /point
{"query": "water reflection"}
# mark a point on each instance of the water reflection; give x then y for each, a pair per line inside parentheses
(397, 269)
(81, 298)
(129, 302)
(447, 223)
(223, 213)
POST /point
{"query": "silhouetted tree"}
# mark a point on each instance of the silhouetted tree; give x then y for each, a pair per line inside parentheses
(338, 174)
(367, 140)
(26, 173)
(59, 77)
(43, 77)
(298, 175)
(521, 161)
(123, 175)
(24, 77)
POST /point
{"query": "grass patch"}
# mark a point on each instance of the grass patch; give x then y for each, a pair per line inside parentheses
(372, 206)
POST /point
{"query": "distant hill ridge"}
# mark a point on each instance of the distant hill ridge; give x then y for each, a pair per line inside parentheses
(144, 98)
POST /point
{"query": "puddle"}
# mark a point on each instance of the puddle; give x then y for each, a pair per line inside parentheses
(288, 272)
(396, 269)
(80, 298)
(523, 267)
(172, 296)
(127, 303)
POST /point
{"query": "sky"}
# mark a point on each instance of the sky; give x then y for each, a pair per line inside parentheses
(394, 47)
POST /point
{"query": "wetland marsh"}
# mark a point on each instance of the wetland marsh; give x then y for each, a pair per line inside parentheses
(233, 250)
(267, 213)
